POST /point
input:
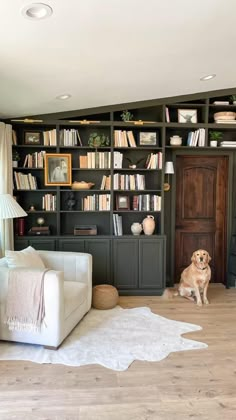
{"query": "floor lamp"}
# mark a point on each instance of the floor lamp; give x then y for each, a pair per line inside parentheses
(9, 208)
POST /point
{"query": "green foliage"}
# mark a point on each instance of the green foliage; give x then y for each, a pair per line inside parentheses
(215, 135)
(98, 140)
(126, 116)
(232, 98)
(15, 156)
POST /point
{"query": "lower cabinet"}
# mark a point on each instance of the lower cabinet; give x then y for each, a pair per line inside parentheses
(139, 265)
(36, 243)
(135, 265)
(99, 249)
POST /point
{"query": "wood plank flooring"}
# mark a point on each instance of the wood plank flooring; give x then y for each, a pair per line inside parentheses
(197, 384)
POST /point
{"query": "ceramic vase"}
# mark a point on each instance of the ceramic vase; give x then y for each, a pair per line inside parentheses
(136, 228)
(148, 225)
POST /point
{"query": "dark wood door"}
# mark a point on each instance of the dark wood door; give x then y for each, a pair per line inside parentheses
(201, 197)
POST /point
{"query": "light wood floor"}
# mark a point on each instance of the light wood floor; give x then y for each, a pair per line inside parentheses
(197, 384)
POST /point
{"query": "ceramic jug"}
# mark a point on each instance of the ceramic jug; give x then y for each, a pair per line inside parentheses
(148, 225)
(136, 228)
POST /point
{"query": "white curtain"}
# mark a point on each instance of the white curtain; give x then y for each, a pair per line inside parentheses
(6, 184)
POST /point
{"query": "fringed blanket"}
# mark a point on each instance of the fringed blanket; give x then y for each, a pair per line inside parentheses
(25, 299)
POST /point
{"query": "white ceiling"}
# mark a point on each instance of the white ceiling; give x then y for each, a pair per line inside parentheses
(106, 52)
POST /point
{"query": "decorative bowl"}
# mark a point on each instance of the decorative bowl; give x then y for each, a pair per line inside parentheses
(82, 185)
(175, 141)
(224, 115)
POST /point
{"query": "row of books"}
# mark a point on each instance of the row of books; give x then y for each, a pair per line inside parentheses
(146, 202)
(50, 137)
(49, 202)
(129, 182)
(197, 138)
(25, 181)
(96, 202)
(117, 225)
(34, 160)
(123, 138)
(70, 137)
(106, 182)
(95, 160)
(154, 161)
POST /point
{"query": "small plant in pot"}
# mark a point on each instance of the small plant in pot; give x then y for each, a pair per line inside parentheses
(15, 158)
(215, 137)
(98, 140)
(232, 99)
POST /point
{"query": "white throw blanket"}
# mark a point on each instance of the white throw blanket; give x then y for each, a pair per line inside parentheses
(25, 299)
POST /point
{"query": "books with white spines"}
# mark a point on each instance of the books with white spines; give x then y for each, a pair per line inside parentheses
(221, 102)
(201, 140)
(228, 144)
(226, 121)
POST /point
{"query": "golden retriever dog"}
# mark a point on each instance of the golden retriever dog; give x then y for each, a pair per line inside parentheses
(195, 278)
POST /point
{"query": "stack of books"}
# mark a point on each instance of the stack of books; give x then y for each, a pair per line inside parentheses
(228, 144)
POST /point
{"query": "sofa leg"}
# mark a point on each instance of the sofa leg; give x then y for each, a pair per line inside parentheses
(50, 347)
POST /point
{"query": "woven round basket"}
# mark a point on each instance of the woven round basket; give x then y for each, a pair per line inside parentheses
(105, 296)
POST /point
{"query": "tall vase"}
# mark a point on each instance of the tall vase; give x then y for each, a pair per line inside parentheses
(148, 225)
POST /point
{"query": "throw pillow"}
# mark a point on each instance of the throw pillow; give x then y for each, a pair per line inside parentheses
(28, 257)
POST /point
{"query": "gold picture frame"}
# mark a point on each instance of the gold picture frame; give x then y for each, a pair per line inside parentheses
(57, 169)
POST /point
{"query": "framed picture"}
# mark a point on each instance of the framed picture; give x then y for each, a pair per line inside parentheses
(148, 138)
(122, 202)
(32, 137)
(57, 169)
(187, 115)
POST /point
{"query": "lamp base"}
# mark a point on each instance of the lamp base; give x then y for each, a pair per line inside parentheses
(166, 186)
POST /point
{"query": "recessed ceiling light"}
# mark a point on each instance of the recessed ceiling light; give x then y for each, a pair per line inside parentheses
(208, 77)
(37, 11)
(64, 96)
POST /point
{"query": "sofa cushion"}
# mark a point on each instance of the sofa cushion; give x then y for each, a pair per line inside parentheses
(28, 257)
(75, 293)
(3, 262)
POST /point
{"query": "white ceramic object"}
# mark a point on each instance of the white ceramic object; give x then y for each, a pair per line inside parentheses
(148, 225)
(136, 228)
(175, 141)
(213, 143)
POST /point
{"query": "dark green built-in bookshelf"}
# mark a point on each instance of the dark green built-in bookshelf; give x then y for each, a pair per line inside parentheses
(127, 261)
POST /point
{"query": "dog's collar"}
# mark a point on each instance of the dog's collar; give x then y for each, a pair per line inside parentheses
(204, 268)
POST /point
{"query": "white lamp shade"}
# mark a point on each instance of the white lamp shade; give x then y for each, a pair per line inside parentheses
(9, 208)
(169, 168)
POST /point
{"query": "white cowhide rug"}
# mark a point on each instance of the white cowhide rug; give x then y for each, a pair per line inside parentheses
(113, 338)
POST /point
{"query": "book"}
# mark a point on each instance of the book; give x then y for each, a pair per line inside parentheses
(167, 115)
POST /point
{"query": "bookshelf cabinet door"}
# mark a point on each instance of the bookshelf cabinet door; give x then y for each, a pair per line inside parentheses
(152, 263)
(71, 245)
(100, 250)
(125, 263)
(43, 244)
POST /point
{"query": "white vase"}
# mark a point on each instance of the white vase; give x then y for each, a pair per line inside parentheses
(14, 163)
(148, 225)
(136, 228)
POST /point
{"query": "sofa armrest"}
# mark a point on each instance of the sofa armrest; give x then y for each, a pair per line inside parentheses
(53, 291)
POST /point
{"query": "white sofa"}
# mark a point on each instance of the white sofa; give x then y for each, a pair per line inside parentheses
(67, 295)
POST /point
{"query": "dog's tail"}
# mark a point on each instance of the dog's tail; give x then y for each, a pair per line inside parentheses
(170, 293)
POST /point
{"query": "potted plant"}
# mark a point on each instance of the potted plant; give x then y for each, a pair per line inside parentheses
(98, 140)
(232, 99)
(215, 137)
(15, 158)
(126, 116)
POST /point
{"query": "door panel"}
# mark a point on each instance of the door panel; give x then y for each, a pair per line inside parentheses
(201, 191)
